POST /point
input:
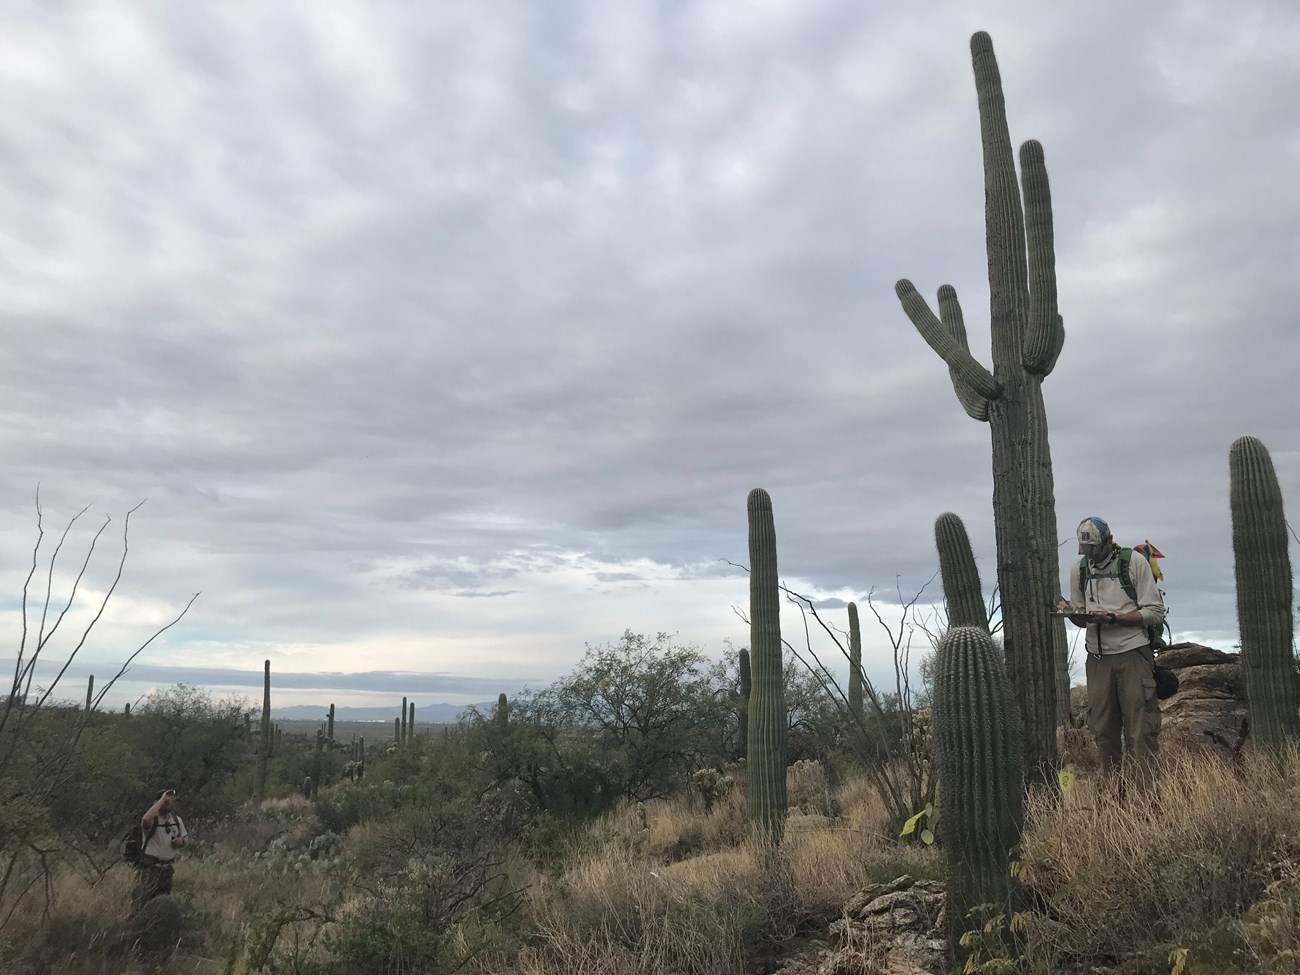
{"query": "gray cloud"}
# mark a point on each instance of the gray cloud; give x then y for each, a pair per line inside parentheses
(395, 304)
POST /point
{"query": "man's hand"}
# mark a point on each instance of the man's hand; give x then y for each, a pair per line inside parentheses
(1077, 616)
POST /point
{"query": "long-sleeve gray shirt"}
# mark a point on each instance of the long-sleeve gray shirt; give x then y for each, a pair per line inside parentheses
(1106, 593)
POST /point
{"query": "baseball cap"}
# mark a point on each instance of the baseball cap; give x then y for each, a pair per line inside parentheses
(1092, 533)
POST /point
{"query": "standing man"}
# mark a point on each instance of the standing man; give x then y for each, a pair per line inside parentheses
(1121, 676)
(163, 834)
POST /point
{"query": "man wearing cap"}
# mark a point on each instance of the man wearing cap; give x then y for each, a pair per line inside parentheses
(1121, 682)
(164, 833)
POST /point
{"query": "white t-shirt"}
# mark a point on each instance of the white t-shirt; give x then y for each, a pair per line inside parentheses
(159, 844)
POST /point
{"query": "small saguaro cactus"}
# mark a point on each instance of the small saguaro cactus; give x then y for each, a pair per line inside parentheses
(397, 730)
(329, 726)
(855, 665)
(126, 711)
(980, 776)
(503, 713)
(742, 700)
(307, 785)
(316, 760)
(264, 749)
(962, 595)
(765, 753)
(1262, 565)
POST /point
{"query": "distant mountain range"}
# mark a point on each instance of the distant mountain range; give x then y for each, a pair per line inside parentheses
(424, 714)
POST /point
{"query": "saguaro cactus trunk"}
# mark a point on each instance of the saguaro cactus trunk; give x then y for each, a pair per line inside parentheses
(742, 701)
(264, 748)
(404, 734)
(1028, 334)
(977, 758)
(90, 694)
(855, 665)
(503, 713)
(1262, 564)
(410, 723)
(329, 726)
(767, 730)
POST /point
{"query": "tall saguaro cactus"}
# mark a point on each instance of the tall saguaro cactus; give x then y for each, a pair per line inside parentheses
(981, 786)
(765, 749)
(90, 694)
(855, 664)
(962, 593)
(503, 713)
(404, 734)
(329, 726)
(410, 723)
(1027, 336)
(1264, 595)
(264, 747)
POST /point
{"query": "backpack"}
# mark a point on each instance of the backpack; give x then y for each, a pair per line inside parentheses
(1166, 679)
(133, 843)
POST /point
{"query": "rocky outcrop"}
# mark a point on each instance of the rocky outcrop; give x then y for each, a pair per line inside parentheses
(891, 929)
(1206, 714)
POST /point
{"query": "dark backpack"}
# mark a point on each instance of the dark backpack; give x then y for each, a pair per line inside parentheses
(1166, 679)
(134, 841)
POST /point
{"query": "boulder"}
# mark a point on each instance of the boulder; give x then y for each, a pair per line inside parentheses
(1179, 655)
(1207, 714)
(893, 929)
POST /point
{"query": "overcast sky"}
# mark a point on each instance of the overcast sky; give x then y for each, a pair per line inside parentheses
(450, 338)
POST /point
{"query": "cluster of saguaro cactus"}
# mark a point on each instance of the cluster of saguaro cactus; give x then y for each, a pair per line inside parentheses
(264, 749)
(980, 775)
(855, 665)
(766, 747)
(962, 595)
(1262, 565)
(1027, 334)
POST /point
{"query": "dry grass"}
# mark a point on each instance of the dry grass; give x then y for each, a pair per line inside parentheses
(1209, 861)
(632, 904)
(1162, 868)
(88, 929)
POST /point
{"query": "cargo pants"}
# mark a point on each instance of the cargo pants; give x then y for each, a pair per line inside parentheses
(1123, 710)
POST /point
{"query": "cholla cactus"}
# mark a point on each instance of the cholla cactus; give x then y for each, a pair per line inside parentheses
(711, 786)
